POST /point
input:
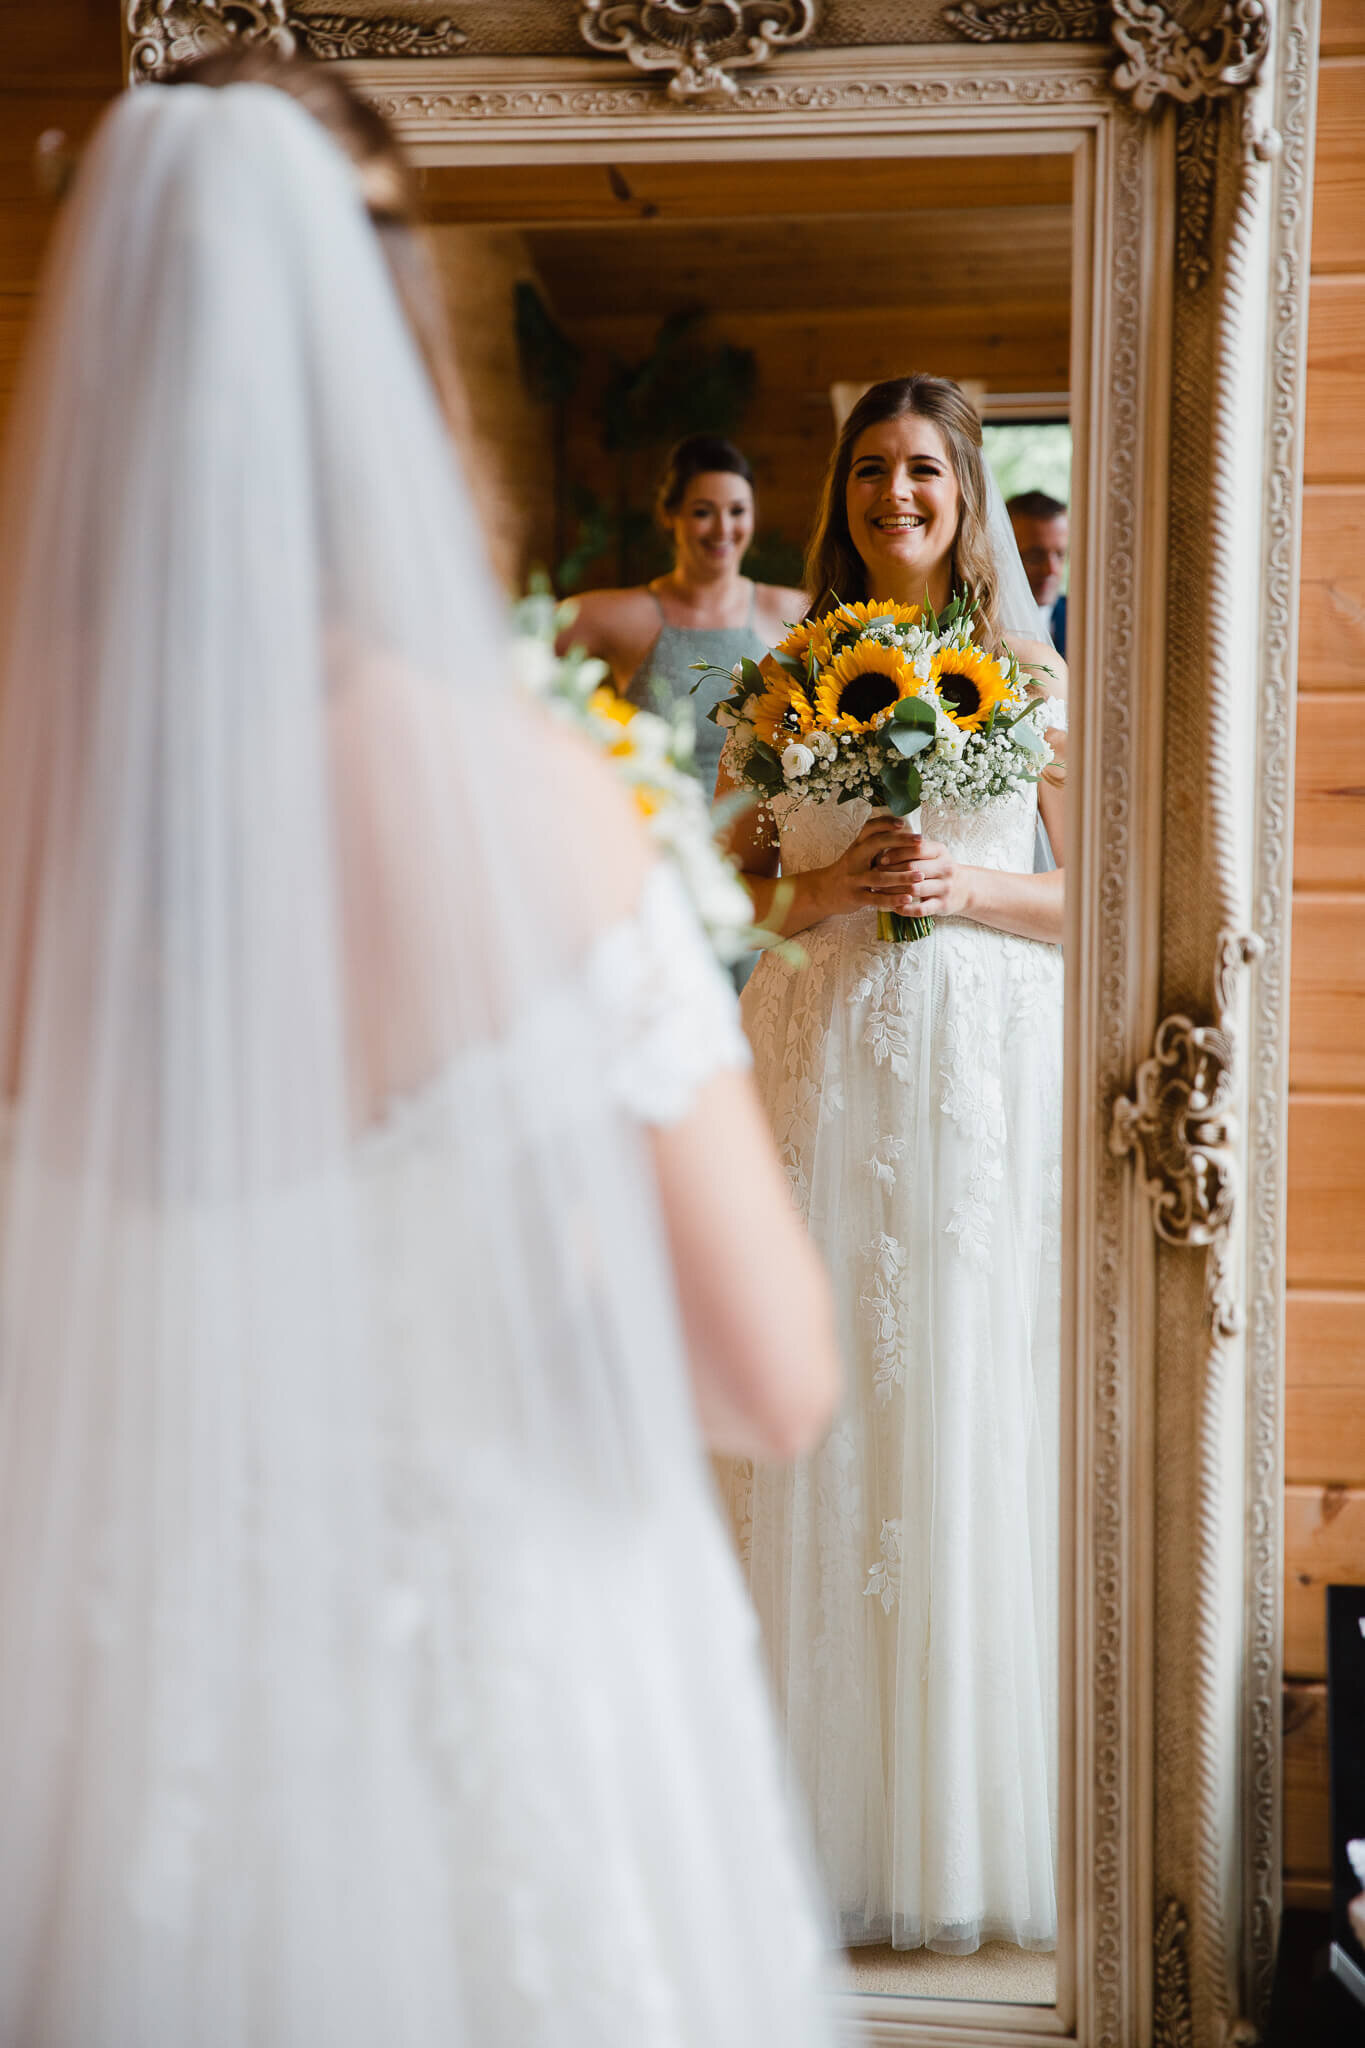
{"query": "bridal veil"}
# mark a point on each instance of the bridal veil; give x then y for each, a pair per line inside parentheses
(371, 1665)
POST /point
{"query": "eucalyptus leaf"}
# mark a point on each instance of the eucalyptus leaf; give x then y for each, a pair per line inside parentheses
(908, 740)
(903, 785)
(1008, 724)
(916, 712)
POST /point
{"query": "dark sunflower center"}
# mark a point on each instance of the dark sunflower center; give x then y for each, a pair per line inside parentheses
(960, 694)
(867, 694)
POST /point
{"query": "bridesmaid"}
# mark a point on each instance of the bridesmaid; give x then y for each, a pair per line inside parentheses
(703, 609)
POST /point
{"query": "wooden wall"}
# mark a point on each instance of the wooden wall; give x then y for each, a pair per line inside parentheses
(822, 275)
(60, 61)
(508, 456)
(1325, 1395)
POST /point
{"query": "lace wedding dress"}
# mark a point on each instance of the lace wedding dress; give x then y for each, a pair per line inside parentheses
(568, 1780)
(906, 1576)
(637, 1879)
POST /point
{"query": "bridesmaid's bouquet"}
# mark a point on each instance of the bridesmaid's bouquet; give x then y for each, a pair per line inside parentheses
(889, 704)
(653, 756)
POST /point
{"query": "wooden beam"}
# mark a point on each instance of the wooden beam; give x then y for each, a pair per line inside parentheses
(627, 195)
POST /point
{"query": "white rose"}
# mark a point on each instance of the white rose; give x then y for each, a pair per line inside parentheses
(951, 738)
(533, 664)
(797, 760)
(651, 740)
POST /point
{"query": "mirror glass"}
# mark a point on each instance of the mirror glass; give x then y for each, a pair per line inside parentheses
(906, 1578)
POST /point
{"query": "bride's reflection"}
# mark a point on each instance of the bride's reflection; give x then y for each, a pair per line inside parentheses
(906, 1577)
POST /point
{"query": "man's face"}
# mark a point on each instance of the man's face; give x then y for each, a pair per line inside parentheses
(1042, 546)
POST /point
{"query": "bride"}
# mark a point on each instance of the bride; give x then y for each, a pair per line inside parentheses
(373, 1663)
(905, 1576)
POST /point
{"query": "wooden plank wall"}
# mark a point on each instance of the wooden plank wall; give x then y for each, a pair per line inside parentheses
(60, 61)
(1325, 1395)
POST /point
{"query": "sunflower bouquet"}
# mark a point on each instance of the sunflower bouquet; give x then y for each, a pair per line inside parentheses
(890, 704)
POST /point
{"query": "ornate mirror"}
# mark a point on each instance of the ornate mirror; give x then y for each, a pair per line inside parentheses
(1133, 182)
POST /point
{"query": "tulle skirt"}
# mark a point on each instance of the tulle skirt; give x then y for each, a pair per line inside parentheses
(906, 1576)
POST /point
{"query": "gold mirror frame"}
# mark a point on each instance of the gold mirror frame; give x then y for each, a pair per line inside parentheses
(1192, 191)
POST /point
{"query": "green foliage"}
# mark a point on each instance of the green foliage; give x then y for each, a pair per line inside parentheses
(1030, 457)
(683, 386)
(772, 558)
(902, 784)
(551, 364)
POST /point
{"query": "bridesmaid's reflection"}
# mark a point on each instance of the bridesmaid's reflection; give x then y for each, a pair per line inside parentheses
(704, 609)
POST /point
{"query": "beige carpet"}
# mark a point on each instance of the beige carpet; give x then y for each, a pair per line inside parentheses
(999, 1972)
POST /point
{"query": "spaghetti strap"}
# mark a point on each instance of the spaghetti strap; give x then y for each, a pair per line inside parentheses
(658, 604)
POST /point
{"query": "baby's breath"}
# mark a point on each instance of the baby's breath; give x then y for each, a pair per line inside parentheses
(961, 764)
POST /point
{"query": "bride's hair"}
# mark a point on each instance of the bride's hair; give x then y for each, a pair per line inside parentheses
(834, 568)
(386, 187)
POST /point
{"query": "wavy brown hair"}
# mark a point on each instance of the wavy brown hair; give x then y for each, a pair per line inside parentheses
(834, 568)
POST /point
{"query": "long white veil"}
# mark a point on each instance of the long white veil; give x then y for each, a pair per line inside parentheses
(1018, 606)
(371, 1668)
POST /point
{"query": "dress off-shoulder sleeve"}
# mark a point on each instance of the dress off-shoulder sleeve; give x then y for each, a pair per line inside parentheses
(668, 1012)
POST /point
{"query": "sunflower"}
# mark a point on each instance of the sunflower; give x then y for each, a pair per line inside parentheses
(970, 684)
(783, 712)
(861, 685)
(863, 615)
(618, 710)
(810, 637)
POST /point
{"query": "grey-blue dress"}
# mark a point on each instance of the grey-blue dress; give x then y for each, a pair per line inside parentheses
(666, 677)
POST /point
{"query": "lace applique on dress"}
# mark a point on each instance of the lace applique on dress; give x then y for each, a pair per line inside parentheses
(915, 1093)
(884, 1578)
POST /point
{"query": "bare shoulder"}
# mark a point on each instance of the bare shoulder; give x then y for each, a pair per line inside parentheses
(1043, 662)
(778, 608)
(617, 626)
(612, 617)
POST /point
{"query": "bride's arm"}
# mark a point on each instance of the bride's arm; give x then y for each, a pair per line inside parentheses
(755, 1301)
(1031, 906)
(751, 1290)
(871, 874)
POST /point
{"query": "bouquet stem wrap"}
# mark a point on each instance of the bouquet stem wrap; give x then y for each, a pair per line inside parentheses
(893, 925)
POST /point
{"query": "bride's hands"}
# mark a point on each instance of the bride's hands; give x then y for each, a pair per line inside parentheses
(874, 872)
(939, 884)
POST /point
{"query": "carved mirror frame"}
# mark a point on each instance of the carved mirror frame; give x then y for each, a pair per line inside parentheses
(1192, 147)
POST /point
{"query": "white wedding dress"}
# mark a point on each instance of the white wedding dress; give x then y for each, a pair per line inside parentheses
(569, 1779)
(906, 1575)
